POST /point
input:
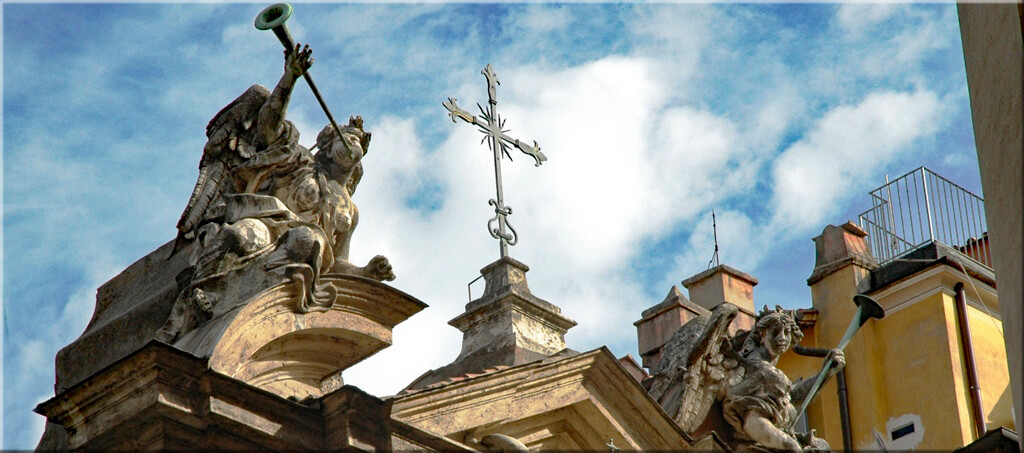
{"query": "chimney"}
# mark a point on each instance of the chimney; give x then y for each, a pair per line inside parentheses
(725, 284)
(658, 323)
(838, 247)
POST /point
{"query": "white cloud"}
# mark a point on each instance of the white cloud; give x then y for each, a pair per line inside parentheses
(543, 19)
(741, 245)
(667, 116)
(814, 175)
(861, 17)
(678, 37)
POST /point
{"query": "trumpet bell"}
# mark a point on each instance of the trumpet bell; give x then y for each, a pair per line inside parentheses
(868, 307)
(273, 16)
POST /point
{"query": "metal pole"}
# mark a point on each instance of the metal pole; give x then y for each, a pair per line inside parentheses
(977, 410)
(502, 244)
(844, 410)
(892, 219)
(927, 206)
(850, 331)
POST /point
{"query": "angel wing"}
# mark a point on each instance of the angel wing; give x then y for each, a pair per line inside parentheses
(692, 368)
(229, 142)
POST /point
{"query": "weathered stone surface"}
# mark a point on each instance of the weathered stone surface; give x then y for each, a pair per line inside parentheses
(712, 382)
(267, 343)
(262, 337)
(725, 284)
(994, 59)
(579, 402)
(506, 326)
(659, 322)
(722, 284)
(130, 309)
(838, 246)
(161, 398)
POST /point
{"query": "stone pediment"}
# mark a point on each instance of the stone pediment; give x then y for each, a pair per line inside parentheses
(586, 401)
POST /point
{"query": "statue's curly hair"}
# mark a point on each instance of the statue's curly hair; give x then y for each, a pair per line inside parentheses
(354, 127)
(328, 135)
(768, 318)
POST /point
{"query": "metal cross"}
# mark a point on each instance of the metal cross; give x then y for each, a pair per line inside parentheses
(492, 125)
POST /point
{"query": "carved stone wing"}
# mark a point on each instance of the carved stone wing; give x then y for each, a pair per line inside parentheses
(692, 368)
(229, 142)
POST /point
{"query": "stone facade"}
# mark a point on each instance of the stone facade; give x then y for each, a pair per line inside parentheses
(161, 398)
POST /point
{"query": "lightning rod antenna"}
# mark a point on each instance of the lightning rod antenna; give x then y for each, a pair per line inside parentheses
(714, 228)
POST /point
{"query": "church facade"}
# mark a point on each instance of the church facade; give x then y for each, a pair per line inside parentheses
(266, 374)
(236, 334)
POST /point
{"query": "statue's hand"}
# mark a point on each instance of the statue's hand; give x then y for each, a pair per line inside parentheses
(838, 360)
(298, 60)
(379, 269)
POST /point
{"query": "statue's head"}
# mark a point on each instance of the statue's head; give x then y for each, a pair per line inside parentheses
(343, 153)
(346, 150)
(775, 330)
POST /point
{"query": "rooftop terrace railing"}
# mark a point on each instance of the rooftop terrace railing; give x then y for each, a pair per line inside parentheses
(920, 207)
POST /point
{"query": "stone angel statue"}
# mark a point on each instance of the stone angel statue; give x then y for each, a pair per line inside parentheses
(708, 380)
(264, 203)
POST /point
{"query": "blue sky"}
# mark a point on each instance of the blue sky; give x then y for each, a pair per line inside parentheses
(779, 117)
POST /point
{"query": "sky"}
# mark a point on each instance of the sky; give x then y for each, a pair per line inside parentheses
(780, 118)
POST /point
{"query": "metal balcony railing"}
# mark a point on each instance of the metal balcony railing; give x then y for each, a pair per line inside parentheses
(920, 207)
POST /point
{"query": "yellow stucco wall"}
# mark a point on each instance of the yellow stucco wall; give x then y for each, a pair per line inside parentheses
(918, 345)
(993, 371)
(907, 367)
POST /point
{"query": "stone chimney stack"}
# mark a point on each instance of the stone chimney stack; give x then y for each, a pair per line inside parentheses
(658, 323)
(838, 247)
(842, 268)
(707, 289)
(506, 326)
(725, 284)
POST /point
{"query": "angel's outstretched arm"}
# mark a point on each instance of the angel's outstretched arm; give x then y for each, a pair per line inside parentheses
(272, 115)
(802, 388)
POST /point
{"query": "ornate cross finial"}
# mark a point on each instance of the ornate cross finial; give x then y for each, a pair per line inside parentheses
(492, 125)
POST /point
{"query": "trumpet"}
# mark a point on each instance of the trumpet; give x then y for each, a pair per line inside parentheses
(867, 308)
(273, 18)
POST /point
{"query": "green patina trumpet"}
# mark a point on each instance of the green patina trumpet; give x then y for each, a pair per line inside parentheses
(273, 18)
(867, 308)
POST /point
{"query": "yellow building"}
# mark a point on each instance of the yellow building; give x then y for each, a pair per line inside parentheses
(919, 378)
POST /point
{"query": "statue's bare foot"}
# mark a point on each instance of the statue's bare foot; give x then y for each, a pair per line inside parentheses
(379, 269)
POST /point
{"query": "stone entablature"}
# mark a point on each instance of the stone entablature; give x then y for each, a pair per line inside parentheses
(161, 398)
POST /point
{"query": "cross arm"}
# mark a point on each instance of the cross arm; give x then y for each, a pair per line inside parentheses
(455, 112)
(532, 151)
